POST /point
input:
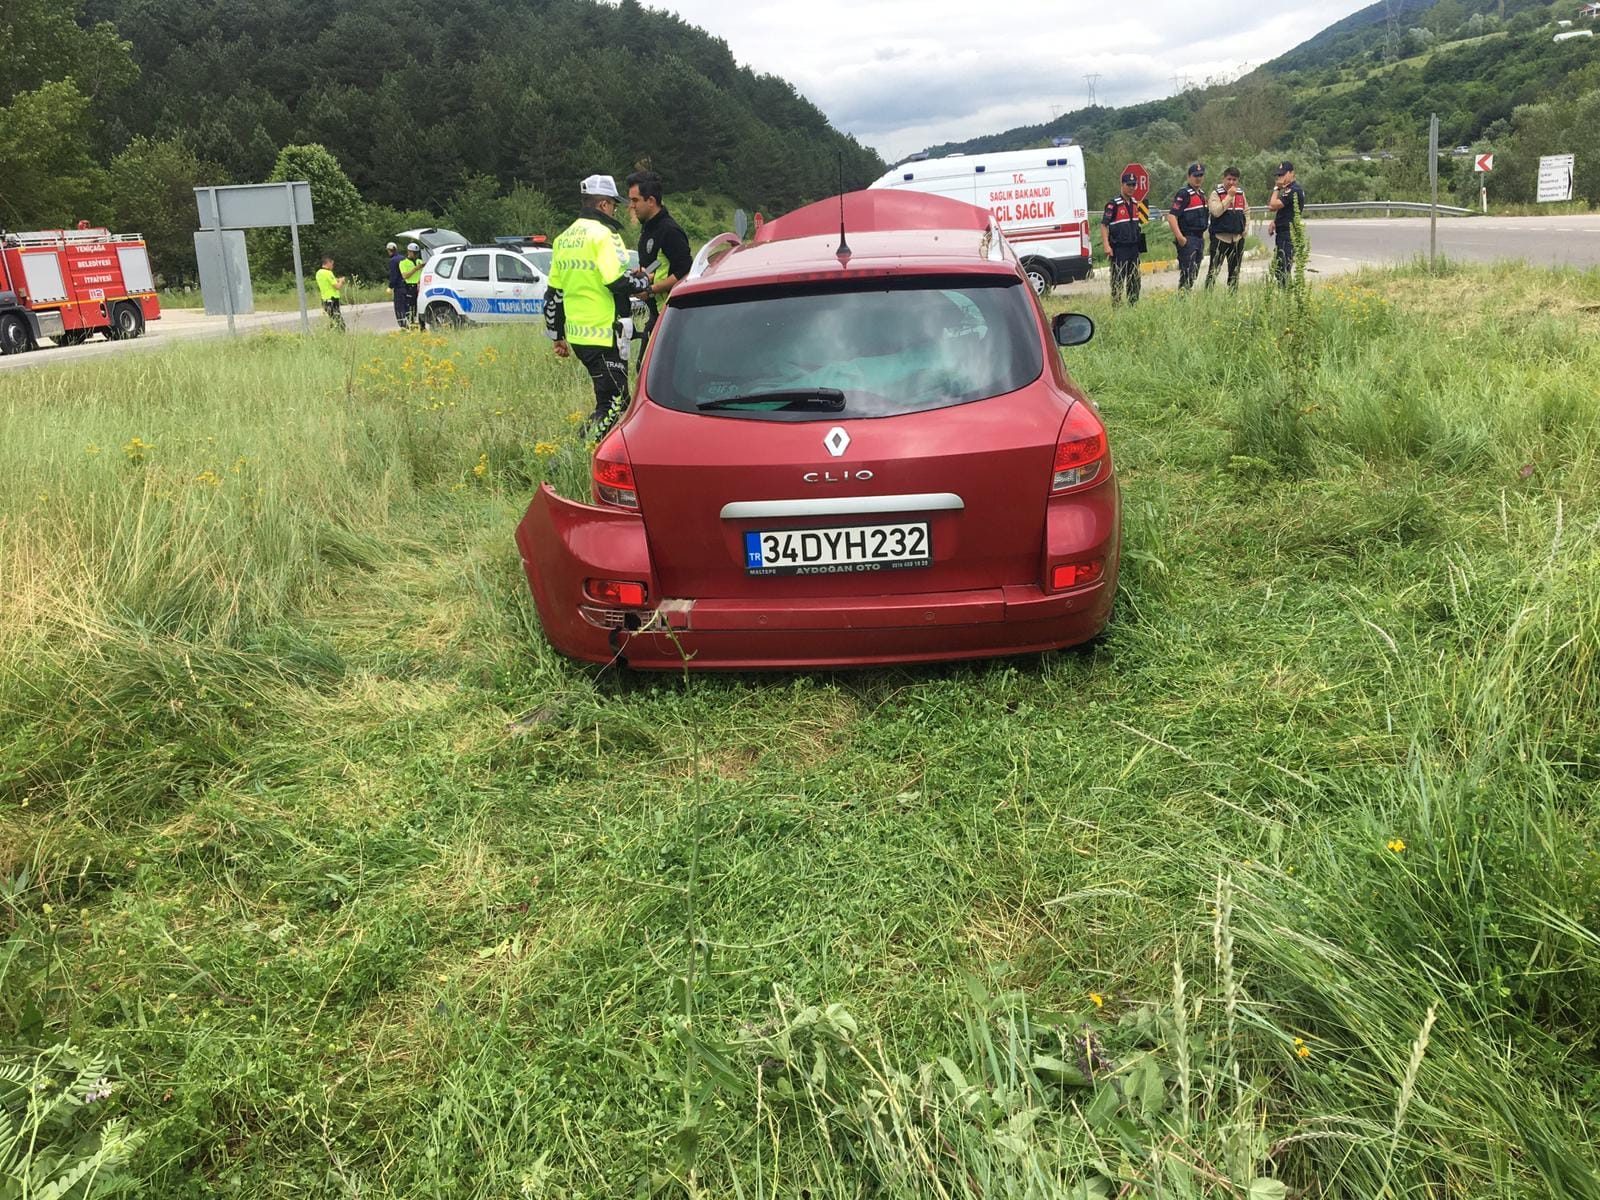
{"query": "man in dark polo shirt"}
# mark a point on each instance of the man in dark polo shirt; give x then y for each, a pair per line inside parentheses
(664, 256)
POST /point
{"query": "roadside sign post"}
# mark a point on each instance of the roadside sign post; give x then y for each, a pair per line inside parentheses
(224, 266)
(206, 199)
(1433, 190)
(294, 241)
(1555, 178)
(258, 206)
(1483, 164)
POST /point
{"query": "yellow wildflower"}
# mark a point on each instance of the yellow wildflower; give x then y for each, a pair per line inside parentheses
(91, 449)
(545, 449)
(1097, 999)
(482, 468)
(209, 478)
(1395, 844)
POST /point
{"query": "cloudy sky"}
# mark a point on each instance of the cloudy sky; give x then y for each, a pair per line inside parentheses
(904, 76)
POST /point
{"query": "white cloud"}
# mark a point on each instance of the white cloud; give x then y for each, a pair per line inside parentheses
(901, 76)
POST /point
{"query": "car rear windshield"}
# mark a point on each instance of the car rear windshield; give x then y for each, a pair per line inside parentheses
(890, 346)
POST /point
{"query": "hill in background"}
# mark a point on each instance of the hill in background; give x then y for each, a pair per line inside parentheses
(1352, 105)
(484, 113)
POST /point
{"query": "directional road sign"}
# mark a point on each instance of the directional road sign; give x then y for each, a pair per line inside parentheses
(1483, 164)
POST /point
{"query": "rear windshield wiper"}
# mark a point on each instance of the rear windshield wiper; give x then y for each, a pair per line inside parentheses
(817, 399)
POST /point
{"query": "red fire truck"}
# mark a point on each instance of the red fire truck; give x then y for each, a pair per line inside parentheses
(67, 284)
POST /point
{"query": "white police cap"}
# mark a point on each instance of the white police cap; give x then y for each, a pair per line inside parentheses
(600, 185)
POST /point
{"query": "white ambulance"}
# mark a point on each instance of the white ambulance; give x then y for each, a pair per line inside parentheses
(1038, 199)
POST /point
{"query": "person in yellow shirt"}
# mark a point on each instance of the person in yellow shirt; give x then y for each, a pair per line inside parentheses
(588, 303)
(410, 278)
(331, 288)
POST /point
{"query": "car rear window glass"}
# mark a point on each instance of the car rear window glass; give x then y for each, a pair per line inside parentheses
(474, 268)
(901, 346)
(511, 269)
(445, 267)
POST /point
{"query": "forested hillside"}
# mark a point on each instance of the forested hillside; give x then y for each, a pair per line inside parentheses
(1366, 86)
(429, 109)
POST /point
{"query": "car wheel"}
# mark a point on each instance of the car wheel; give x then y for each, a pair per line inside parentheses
(127, 321)
(73, 337)
(1040, 277)
(14, 335)
(442, 316)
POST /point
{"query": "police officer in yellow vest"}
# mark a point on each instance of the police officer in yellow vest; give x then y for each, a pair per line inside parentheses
(588, 299)
(410, 269)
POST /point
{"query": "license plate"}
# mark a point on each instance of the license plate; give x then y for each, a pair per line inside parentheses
(840, 551)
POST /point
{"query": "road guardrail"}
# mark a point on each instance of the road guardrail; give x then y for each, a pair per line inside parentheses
(1388, 206)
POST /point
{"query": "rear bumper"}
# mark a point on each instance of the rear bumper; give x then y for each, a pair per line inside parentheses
(563, 543)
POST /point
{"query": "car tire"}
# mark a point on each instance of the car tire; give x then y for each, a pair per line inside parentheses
(441, 316)
(127, 322)
(15, 337)
(1040, 278)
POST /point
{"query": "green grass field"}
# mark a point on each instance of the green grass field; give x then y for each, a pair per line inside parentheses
(348, 886)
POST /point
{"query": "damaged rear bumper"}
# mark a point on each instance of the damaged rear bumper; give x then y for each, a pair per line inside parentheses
(565, 543)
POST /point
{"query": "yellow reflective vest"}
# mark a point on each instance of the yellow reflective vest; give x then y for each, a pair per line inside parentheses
(410, 271)
(588, 259)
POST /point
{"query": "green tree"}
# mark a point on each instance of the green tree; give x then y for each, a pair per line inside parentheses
(339, 227)
(48, 178)
(152, 186)
(45, 42)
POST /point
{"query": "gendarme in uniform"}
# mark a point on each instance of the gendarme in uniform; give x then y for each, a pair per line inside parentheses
(587, 299)
(1124, 241)
(1189, 218)
(1288, 200)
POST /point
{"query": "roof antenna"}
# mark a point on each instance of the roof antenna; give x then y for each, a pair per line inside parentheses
(843, 252)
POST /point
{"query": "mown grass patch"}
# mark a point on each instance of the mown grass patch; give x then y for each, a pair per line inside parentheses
(1290, 886)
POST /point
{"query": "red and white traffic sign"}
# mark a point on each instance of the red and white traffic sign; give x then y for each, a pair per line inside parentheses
(1141, 188)
(1484, 163)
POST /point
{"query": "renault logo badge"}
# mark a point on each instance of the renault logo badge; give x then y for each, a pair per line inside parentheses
(837, 441)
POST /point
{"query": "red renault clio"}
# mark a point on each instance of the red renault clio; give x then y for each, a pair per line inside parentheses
(854, 443)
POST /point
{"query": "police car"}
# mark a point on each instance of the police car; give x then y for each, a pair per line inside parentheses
(481, 284)
(486, 285)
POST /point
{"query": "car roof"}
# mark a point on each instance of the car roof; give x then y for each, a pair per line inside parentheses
(888, 232)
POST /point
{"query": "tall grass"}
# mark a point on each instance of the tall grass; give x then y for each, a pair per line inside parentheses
(1288, 888)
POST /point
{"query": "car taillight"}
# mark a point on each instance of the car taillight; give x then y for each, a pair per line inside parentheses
(1080, 450)
(626, 592)
(613, 473)
(1071, 575)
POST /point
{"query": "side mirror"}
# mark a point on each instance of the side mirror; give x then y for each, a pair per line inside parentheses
(1072, 329)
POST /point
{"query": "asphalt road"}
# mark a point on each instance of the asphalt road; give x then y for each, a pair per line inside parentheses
(1343, 245)
(181, 324)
